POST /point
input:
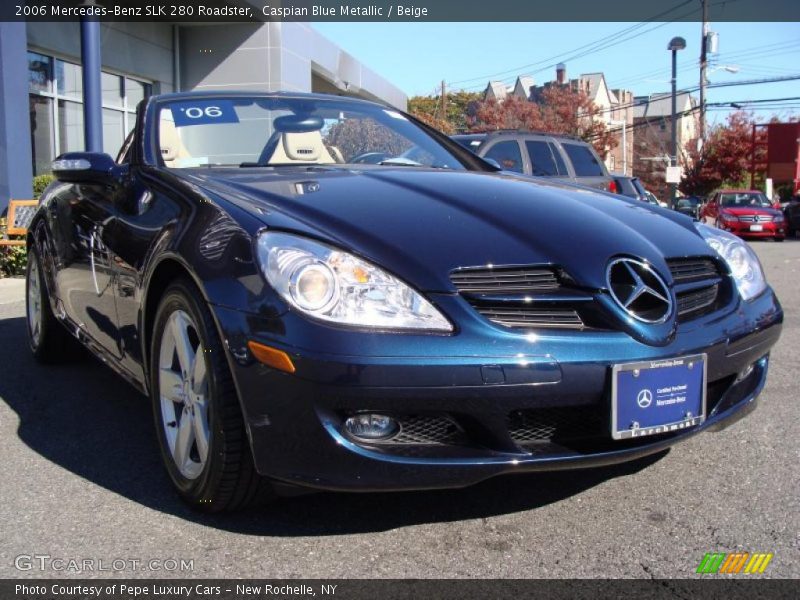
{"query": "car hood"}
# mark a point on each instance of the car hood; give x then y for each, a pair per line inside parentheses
(421, 224)
(750, 210)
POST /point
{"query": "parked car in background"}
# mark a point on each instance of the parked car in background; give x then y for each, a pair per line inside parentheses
(557, 157)
(746, 213)
(689, 206)
(791, 215)
(651, 198)
(631, 187)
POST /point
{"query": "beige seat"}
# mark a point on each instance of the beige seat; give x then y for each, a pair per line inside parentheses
(172, 148)
(306, 147)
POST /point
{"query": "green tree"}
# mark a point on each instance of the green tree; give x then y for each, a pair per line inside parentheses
(457, 105)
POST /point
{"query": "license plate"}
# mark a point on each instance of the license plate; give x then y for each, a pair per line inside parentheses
(659, 396)
(756, 228)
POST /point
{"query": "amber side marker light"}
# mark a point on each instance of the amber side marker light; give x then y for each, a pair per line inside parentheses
(277, 359)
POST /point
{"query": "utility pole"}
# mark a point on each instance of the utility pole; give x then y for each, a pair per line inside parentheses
(703, 68)
(444, 101)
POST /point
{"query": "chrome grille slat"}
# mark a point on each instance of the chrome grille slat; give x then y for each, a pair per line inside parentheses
(504, 280)
(511, 282)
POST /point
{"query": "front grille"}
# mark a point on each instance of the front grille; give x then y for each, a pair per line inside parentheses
(692, 269)
(427, 430)
(504, 280)
(755, 218)
(556, 424)
(697, 300)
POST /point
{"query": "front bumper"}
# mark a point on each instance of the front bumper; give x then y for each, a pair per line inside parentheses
(742, 229)
(479, 380)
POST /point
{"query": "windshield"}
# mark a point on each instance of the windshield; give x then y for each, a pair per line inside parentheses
(745, 200)
(273, 132)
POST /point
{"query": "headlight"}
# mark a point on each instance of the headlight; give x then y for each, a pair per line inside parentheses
(778, 218)
(743, 262)
(728, 217)
(331, 285)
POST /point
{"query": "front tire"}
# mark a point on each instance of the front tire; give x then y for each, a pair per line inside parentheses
(199, 424)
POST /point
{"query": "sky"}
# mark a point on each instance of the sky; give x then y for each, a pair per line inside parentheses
(416, 57)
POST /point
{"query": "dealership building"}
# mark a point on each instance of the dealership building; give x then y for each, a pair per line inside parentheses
(42, 85)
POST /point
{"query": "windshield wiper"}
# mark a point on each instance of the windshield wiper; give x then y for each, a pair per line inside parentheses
(392, 163)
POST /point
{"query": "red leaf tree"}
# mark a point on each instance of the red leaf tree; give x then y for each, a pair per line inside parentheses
(724, 160)
(558, 109)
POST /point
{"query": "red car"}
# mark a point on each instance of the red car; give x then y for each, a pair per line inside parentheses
(746, 213)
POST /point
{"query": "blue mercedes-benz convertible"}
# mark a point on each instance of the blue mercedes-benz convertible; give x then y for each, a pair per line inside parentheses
(323, 292)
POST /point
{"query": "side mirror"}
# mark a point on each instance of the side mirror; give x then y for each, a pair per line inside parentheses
(86, 167)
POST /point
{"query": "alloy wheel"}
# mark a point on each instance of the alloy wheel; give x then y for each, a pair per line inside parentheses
(183, 391)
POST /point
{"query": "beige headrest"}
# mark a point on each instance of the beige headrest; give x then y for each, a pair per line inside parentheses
(305, 147)
(169, 140)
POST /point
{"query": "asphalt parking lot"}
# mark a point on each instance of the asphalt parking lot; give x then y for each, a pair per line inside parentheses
(81, 479)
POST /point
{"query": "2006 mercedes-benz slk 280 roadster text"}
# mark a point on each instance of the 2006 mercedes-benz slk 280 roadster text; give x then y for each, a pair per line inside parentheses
(323, 292)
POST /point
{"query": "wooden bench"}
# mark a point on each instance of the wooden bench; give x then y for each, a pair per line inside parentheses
(20, 213)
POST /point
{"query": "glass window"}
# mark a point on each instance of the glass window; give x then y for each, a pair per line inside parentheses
(68, 79)
(42, 141)
(57, 85)
(136, 92)
(112, 89)
(507, 155)
(268, 132)
(40, 72)
(70, 126)
(543, 163)
(113, 134)
(584, 161)
(745, 199)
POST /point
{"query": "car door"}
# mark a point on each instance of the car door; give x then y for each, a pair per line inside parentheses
(142, 214)
(545, 160)
(81, 214)
(587, 168)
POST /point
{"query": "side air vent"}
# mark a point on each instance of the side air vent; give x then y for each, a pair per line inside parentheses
(517, 297)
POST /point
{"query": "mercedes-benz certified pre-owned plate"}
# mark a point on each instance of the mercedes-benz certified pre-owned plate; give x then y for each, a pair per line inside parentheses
(658, 396)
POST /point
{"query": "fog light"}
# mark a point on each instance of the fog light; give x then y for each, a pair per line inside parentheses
(371, 427)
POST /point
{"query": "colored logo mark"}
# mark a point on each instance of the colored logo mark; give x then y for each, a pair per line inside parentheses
(736, 562)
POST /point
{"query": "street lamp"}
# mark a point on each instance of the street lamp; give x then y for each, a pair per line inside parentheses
(675, 44)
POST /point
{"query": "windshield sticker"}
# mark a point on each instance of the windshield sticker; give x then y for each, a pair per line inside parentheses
(203, 112)
(395, 115)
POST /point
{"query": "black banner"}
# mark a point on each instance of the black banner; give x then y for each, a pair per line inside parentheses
(750, 588)
(221, 11)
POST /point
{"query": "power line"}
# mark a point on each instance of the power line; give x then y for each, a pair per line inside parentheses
(590, 48)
